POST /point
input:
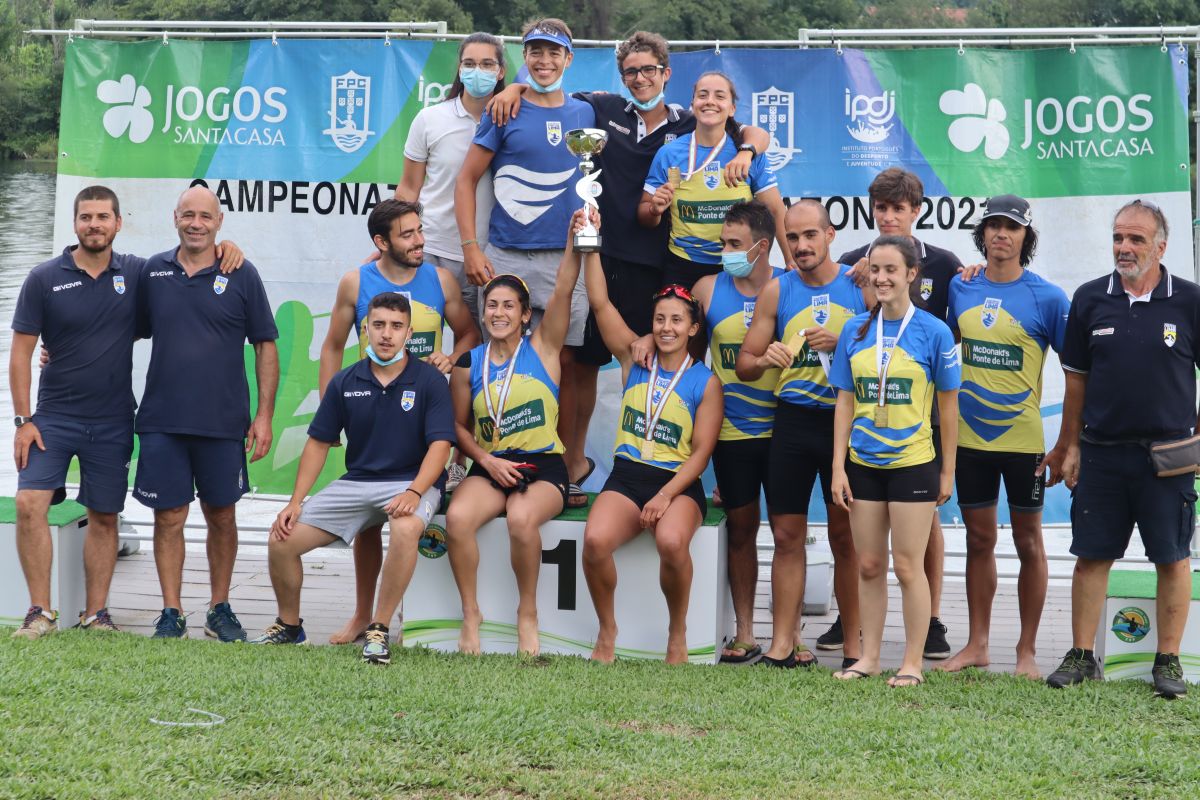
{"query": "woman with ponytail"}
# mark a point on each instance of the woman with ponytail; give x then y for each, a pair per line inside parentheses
(687, 174)
(888, 366)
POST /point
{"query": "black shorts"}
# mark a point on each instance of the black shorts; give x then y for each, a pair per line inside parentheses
(801, 451)
(683, 272)
(550, 466)
(631, 288)
(741, 469)
(1117, 489)
(916, 484)
(640, 482)
(977, 475)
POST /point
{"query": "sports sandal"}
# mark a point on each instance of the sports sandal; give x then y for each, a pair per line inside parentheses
(749, 652)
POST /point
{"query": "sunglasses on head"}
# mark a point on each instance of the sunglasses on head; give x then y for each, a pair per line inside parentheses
(675, 290)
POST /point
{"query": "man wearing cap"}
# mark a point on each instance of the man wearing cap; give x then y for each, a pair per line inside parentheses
(896, 196)
(1130, 355)
(1005, 318)
(534, 177)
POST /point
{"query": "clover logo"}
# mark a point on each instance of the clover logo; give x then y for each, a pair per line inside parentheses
(128, 112)
(980, 121)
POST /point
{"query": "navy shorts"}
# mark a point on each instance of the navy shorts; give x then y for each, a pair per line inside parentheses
(103, 448)
(1117, 489)
(977, 476)
(741, 468)
(173, 468)
(801, 452)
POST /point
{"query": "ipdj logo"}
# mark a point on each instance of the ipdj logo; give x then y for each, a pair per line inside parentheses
(870, 115)
(129, 112)
(980, 121)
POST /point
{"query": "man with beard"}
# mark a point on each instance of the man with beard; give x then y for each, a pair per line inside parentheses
(1130, 355)
(82, 305)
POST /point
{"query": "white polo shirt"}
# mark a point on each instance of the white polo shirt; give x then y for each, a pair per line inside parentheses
(439, 137)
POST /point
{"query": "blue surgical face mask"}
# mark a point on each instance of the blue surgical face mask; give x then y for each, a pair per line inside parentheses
(654, 101)
(477, 81)
(737, 262)
(537, 87)
(371, 355)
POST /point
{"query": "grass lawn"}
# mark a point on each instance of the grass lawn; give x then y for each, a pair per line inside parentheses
(75, 715)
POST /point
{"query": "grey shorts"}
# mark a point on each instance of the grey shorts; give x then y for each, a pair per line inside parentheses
(470, 293)
(539, 270)
(343, 508)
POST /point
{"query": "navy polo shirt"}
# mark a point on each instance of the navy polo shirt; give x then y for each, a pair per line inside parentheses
(388, 428)
(938, 268)
(1140, 359)
(88, 328)
(196, 383)
(625, 161)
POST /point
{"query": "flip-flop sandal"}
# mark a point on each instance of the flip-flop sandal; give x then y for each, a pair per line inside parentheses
(591, 468)
(908, 680)
(806, 663)
(750, 651)
(782, 663)
(857, 673)
(576, 497)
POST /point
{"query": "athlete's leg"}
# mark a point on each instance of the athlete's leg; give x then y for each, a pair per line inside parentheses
(527, 511)
(287, 569)
(35, 548)
(1031, 587)
(981, 587)
(787, 581)
(869, 522)
(169, 552)
(99, 559)
(368, 560)
(845, 579)
(584, 378)
(935, 566)
(910, 523)
(673, 537)
(742, 525)
(222, 547)
(475, 502)
(613, 520)
(403, 535)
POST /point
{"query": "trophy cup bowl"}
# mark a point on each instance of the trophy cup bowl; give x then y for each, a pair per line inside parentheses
(586, 143)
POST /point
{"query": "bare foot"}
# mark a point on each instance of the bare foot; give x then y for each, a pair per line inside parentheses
(527, 634)
(967, 657)
(677, 648)
(468, 635)
(605, 651)
(1027, 666)
(353, 630)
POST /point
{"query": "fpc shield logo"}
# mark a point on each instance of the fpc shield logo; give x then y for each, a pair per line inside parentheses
(1131, 624)
(349, 110)
(774, 110)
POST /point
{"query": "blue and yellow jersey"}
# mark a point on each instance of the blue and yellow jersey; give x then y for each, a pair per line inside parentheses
(530, 417)
(673, 434)
(749, 407)
(701, 200)
(923, 362)
(1005, 330)
(424, 293)
(802, 307)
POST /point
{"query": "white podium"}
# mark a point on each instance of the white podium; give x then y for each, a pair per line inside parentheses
(68, 528)
(432, 611)
(1128, 636)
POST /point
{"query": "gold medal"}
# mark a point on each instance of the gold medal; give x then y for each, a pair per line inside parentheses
(495, 437)
(796, 343)
(881, 416)
(674, 177)
(647, 450)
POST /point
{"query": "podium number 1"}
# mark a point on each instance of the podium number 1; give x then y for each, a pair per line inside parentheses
(563, 557)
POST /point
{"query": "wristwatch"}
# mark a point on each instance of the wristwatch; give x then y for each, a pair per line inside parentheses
(19, 421)
(746, 147)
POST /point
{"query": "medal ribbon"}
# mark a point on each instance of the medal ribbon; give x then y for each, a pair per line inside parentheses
(495, 411)
(882, 364)
(652, 413)
(692, 168)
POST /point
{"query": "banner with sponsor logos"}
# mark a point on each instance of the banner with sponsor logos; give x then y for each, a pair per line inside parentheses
(300, 139)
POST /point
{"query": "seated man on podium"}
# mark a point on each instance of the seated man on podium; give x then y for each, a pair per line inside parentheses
(399, 424)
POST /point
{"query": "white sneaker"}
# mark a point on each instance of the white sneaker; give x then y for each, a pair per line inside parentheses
(454, 476)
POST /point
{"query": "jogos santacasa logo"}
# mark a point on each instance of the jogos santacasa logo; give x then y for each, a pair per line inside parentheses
(1054, 128)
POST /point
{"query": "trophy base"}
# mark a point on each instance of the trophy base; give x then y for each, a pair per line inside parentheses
(586, 242)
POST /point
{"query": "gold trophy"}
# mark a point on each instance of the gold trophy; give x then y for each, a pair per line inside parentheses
(586, 143)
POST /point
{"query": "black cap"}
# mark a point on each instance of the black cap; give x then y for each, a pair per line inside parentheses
(1008, 205)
